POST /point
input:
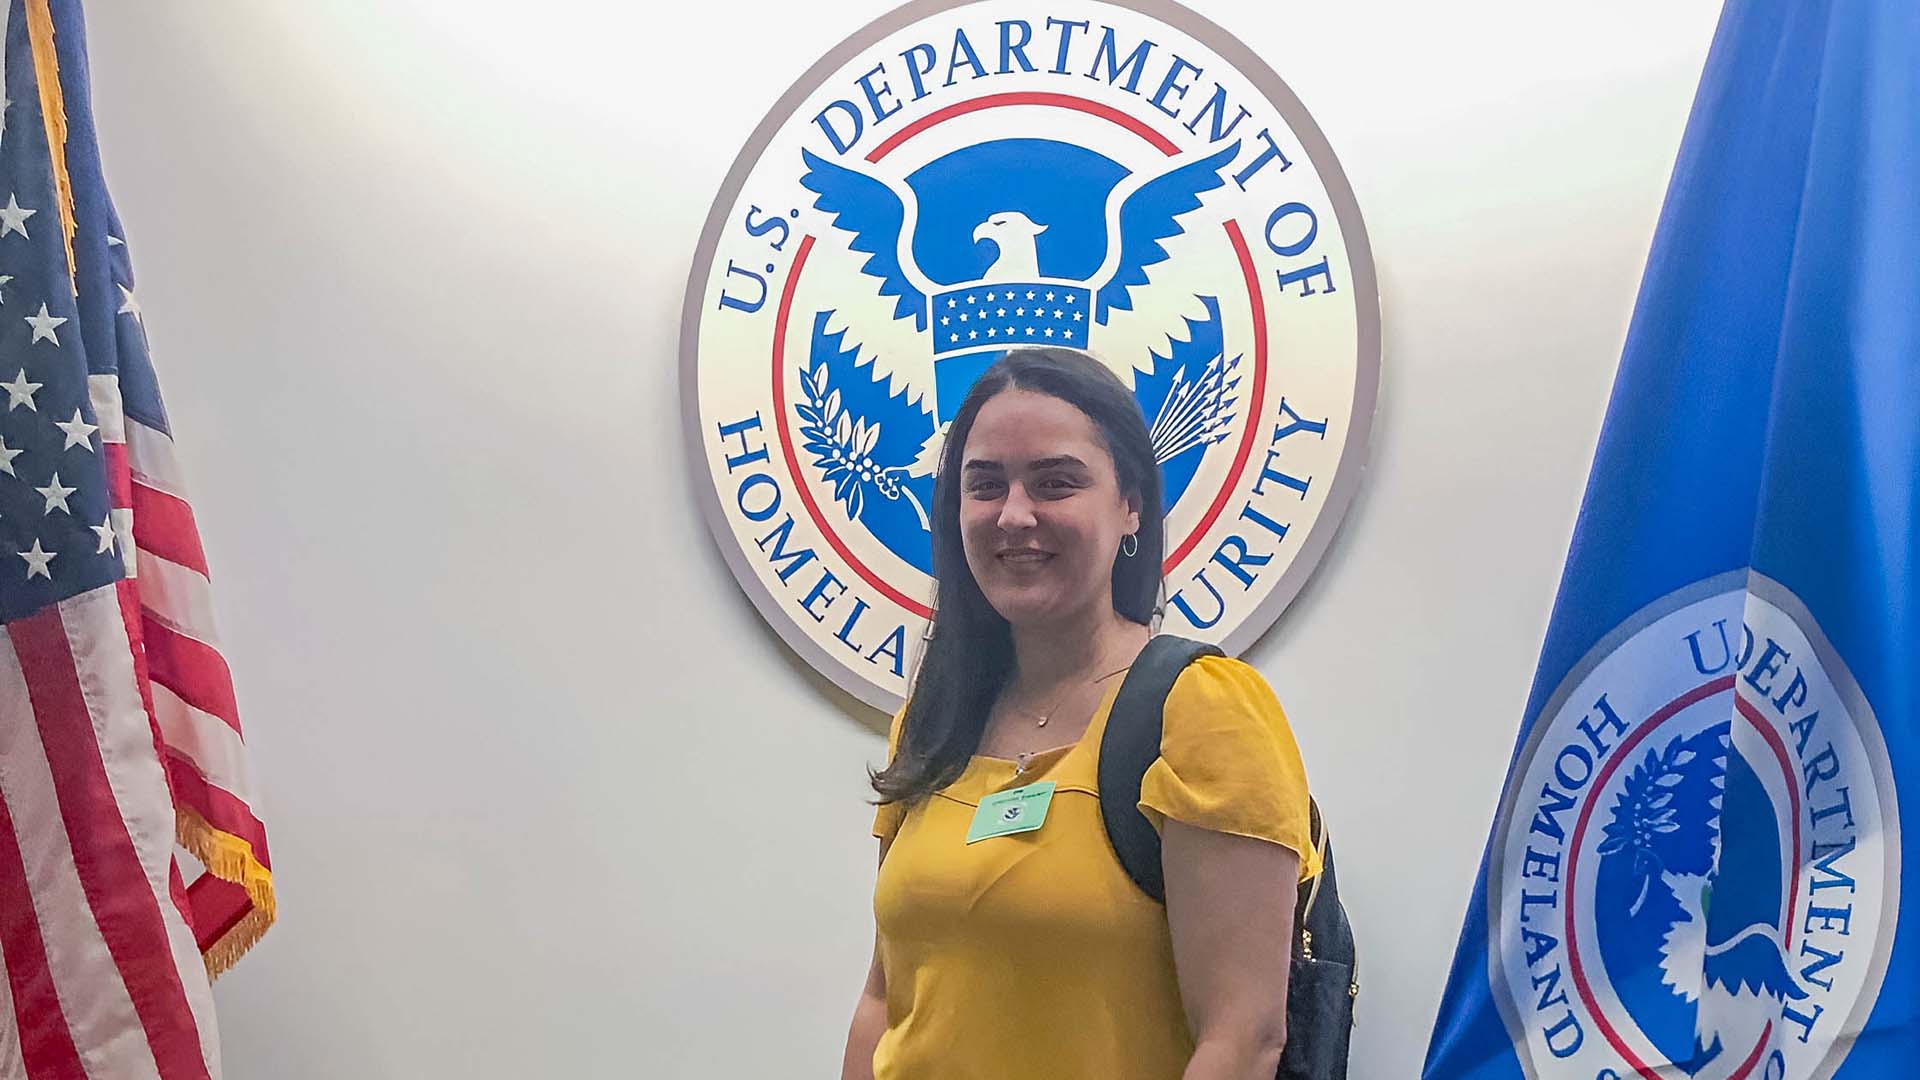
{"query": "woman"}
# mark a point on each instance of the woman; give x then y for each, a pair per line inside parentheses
(1032, 953)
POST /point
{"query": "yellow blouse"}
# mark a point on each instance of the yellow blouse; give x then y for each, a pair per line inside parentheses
(1034, 954)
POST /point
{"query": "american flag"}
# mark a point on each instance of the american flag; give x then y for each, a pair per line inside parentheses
(119, 738)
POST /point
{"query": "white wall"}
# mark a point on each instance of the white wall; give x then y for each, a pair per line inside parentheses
(547, 799)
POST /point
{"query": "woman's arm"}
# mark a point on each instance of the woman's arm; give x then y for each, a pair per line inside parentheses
(1230, 910)
(869, 1015)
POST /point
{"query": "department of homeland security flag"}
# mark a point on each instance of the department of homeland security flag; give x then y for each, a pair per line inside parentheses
(1697, 868)
(118, 733)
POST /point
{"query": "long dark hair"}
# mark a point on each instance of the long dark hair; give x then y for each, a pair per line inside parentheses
(970, 654)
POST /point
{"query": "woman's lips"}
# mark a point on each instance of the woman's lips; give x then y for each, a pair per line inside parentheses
(1024, 557)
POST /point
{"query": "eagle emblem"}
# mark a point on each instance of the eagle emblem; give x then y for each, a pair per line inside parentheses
(997, 245)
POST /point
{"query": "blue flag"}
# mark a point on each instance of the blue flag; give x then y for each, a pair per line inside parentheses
(1697, 868)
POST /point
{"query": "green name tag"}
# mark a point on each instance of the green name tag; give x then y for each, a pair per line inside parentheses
(1022, 809)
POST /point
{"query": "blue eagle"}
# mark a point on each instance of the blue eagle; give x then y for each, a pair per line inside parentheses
(1007, 242)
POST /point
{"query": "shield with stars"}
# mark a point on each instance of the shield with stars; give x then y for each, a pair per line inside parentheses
(958, 179)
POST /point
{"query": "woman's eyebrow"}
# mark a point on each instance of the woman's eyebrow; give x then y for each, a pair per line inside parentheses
(1058, 461)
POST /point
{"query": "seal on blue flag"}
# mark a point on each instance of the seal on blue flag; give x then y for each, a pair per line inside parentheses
(959, 179)
(1697, 862)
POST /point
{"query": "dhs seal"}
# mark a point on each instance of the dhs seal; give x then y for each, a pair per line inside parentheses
(962, 178)
(1696, 868)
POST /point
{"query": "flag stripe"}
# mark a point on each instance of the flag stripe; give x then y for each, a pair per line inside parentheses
(119, 476)
(109, 868)
(104, 390)
(72, 995)
(222, 810)
(163, 524)
(38, 1026)
(218, 907)
(205, 741)
(191, 669)
(177, 595)
(97, 637)
(11, 1064)
(153, 459)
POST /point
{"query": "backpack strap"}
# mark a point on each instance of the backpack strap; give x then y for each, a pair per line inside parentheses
(1129, 748)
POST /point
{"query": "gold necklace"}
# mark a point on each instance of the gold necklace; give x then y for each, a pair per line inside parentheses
(1041, 719)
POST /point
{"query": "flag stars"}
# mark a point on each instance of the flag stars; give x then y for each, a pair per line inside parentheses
(13, 217)
(1019, 311)
(1076, 315)
(991, 331)
(1049, 331)
(1070, 298)
(1029, 294)
(128, 305)
(1049, 298)
(104, 531)
(56, 495)
(1002, 312)
(944, 320)
(963, 316)
(4, 278)
(953, 337)
(972, 334)
(37, 560)
(20, 392)
(972, 300)
(1068, 334)
(950, 302)
(7, 454)
(989, 298)
(43, 325)
(79, 432)
(1058, 314)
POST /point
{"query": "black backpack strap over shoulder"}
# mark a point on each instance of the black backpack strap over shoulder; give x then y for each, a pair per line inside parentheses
(1128, 749)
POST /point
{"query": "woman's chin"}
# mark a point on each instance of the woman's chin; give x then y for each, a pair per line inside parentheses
(1027, 607)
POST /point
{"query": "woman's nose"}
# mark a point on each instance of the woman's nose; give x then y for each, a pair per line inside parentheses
(1017, 511)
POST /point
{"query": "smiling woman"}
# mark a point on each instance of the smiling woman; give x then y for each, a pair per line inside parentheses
(1008, 938)
(1046, 467)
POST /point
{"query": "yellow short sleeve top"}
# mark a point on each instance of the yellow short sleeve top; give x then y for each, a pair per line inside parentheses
(1035, 954)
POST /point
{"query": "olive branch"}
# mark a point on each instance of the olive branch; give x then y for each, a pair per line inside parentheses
(842, 447)
(1646, 810)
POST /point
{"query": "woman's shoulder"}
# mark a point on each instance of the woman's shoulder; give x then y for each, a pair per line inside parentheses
(1222, 686)
(1228, 761)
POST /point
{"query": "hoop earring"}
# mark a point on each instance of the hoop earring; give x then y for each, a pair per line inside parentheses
(1130, 545)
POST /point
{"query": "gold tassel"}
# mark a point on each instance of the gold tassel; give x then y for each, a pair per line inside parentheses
(229, 858)
(223, 954)
(53, 111)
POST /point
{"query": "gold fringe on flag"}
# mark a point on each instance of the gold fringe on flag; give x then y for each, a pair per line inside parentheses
(53, 111)
(229, 858)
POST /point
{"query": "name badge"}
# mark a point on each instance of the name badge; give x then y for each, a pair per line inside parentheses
(1017, 810)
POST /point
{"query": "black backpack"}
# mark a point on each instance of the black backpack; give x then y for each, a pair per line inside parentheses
(1322, 985)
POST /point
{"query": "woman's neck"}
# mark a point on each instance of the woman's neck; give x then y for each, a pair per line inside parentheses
(1067, 651)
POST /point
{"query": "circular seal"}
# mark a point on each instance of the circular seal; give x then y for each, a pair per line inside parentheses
(961, 178)
(1696, 867)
